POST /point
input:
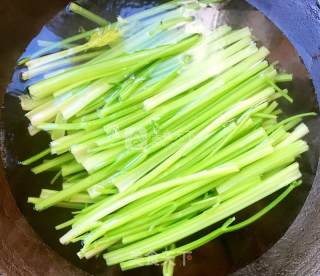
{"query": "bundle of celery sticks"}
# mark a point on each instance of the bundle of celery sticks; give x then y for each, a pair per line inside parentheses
(161, 126)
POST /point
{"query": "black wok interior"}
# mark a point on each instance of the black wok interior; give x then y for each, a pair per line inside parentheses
(222, 256)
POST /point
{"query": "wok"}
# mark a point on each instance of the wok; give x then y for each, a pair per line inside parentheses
(286, 242)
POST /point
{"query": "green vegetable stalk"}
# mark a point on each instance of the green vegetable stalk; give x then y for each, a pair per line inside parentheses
(160, 127)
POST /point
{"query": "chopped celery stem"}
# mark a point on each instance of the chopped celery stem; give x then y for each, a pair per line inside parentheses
(36, 157)
(225, 228)
(88, 14)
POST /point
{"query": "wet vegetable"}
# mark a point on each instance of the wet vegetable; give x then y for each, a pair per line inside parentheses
(161, 127)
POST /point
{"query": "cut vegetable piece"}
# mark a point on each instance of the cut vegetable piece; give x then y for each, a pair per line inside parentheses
(87, 14)
(225, 228)
(160, 134)
(230, 207)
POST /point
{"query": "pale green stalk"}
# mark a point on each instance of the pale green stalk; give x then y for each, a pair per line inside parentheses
(225, 228)
(71, 168)
(57, 45)
(95, 71)
(233, 111)
(56, 134)
(108, 208)
(149, 206)
(74, 189)
(36, 157)
(88, 14)
(230, 207)
(179, 87)
(54, 163)
(85, 97)
(33, 72)
(280, 157)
